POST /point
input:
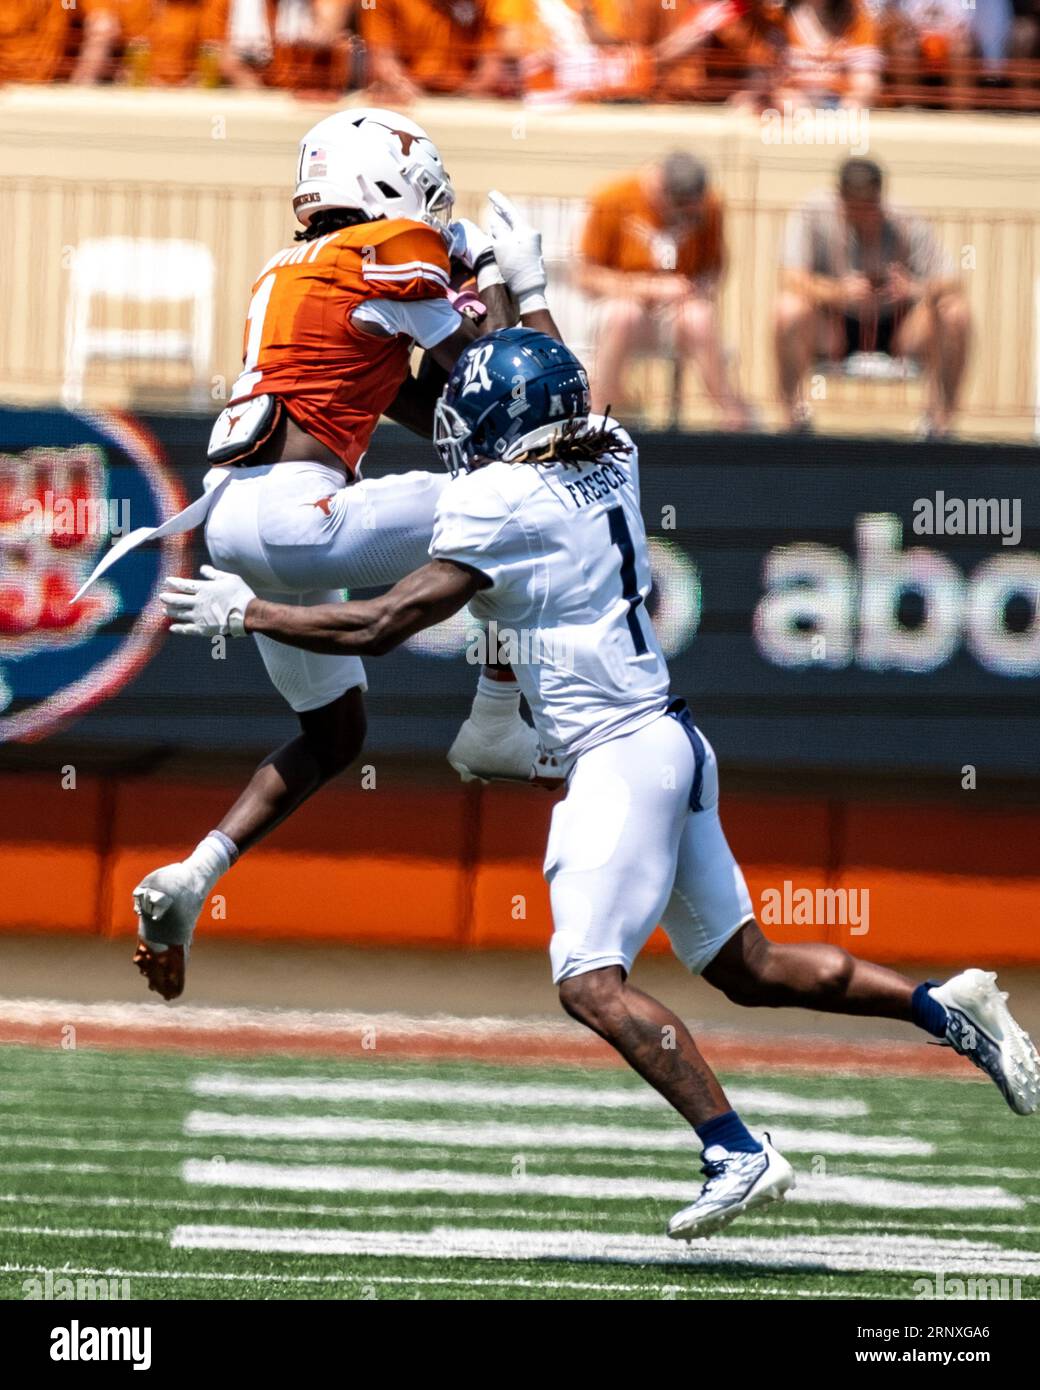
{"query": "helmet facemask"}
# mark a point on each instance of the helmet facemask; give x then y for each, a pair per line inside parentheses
(451, 436)
(436, 190)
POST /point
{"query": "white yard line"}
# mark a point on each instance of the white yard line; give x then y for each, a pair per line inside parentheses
(853, 1191)
(780, 1216)
(837, 1144)
(82, 1232)
(83, 1168)
(754, 1100)
(439, 1280)
(551, 1135)
(875, 1253)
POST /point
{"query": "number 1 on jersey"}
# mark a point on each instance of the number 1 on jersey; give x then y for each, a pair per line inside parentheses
(621, 536)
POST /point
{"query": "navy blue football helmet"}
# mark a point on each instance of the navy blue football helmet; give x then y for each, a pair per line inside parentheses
(511, 391)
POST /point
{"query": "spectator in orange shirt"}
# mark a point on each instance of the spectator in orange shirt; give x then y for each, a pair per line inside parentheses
(305, 45)
(172, 34)
(833, 56)
(653, 255)
(751, 31)
(582, 50)
(35, 38)
(418, 46)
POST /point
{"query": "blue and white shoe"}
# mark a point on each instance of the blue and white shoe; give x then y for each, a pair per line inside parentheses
(980, 1027)
(736, 1182)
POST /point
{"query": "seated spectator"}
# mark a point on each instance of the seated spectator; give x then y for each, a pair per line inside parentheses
(246, 45)
(109, 28)
(35, 41)
(314, 48)
(749, 31)
(1024, 46)
(833, 57)
(859, 276)
(992, 23)
(460, 46)
(581, 50)
(926, 39)
(653, 257)
(172, 40)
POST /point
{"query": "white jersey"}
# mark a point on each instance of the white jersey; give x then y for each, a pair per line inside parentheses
(565, 550)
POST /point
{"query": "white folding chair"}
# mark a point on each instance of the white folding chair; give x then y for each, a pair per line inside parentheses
(141, 271)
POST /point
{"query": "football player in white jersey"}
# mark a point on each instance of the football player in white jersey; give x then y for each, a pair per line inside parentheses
(540, 531)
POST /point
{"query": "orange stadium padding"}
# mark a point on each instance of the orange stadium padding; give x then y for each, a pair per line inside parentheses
(52, 852)
(452, 866)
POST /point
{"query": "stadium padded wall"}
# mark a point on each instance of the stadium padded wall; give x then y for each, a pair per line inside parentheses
(818, 609)
(442, 865)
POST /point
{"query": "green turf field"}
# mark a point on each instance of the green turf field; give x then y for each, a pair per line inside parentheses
(200, 1177)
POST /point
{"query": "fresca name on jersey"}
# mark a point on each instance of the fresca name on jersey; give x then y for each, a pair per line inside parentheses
(599, 482)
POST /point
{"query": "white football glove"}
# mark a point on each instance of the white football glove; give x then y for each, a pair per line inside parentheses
(498, 749)
(470, 244)
(212, 606)
(518, 248)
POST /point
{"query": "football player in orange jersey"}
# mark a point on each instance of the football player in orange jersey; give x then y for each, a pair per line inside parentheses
(328, 340)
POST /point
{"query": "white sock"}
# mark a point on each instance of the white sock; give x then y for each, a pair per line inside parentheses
(495, 699)
(211, 857)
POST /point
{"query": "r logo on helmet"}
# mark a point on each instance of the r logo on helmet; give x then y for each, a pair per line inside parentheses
(475, 376)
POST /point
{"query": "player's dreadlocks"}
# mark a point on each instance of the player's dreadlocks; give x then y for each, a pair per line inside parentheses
(576, 445)
(332, 220)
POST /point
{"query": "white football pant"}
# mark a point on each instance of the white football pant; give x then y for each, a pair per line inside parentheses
(626, 851)
(296, 534)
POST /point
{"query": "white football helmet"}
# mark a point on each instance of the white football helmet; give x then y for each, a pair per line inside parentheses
(375, 162)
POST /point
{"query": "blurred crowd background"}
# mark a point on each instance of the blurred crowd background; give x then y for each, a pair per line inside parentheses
(934, 53)
(810, 215)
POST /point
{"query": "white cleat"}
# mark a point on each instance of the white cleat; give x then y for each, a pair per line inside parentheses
(488, 748)
(980, 1027)
(736, 1182)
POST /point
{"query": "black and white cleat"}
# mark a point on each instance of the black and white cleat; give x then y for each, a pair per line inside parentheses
(980, 1026)
(736, 1182)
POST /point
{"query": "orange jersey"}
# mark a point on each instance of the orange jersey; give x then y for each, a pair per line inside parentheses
(623, 232)
(437, 45)
(336, 380)
(821, 62)
(35, 37)
(173, 32)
